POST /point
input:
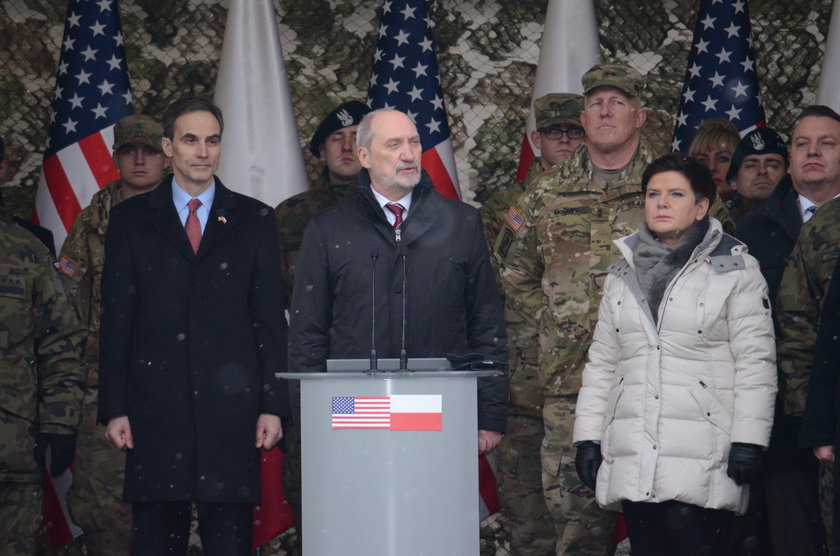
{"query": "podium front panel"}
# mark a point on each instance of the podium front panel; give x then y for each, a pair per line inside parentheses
(383, 492)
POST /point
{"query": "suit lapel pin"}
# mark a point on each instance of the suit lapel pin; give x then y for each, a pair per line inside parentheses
(222, 219)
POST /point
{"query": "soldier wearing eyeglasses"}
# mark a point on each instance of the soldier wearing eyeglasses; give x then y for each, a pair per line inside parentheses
(530, 528)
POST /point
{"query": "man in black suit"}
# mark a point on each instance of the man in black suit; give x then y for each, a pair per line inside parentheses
(192, 335)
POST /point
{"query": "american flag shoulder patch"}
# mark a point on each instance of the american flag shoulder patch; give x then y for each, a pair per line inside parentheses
(514, 219)
(67, 266)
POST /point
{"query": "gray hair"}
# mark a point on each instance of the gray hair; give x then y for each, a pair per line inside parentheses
(364, 133)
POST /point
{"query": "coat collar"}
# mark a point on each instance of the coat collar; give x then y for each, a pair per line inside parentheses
(782, 208)
(223, 217)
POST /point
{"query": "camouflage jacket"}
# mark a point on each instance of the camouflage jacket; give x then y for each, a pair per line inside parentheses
(554, 251)
(799, 303)
(294, 214)
(41, 373)
(82, 258)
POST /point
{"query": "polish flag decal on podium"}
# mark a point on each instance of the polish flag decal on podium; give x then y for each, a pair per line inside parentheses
(397, 413)
(416, 413)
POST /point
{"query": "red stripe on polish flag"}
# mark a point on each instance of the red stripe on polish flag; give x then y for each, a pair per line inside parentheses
(416, 421)
(525, 158)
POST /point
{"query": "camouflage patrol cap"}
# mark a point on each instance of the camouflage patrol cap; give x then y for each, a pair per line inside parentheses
(762, 140)
(621, 76)
(138, 128)
(346, 115)
(558, 109)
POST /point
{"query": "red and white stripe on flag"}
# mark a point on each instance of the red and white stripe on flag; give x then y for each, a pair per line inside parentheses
(570, 46)
(92, 93)
(405, 78)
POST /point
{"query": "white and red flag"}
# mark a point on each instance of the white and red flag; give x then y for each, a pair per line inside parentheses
(399, 412)
(92, 93)
(261, 154)
(405, 78)
(829, 90)
(570, 46)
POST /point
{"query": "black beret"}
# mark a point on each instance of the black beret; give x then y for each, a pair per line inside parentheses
(761, 140)
(346, 115)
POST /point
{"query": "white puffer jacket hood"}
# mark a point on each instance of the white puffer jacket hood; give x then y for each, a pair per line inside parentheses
(666, 400)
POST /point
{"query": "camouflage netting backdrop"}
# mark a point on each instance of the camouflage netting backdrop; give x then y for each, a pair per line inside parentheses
(487, 51)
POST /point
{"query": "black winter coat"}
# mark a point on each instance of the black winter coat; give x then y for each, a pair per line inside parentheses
(190, 344)
(770, 233)
(452, 305)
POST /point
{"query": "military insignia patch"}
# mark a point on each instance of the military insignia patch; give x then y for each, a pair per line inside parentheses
(67, 266)
(514, 219)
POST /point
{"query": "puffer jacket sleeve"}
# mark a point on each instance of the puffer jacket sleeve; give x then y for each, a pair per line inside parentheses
(752, 341)
(599, 372)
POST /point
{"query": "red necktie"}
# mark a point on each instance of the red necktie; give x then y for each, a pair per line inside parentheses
(193, 226)
(397, 209)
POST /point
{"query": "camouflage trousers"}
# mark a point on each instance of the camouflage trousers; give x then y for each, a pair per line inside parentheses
(95, 499)
(583, 528)
(20, 518)
(519, 479)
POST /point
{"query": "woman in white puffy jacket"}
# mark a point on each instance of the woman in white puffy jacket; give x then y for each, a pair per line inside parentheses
(677, 398)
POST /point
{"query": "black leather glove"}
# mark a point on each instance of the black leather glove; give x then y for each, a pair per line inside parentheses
(745, 463)
(587, 461)
(63, 448)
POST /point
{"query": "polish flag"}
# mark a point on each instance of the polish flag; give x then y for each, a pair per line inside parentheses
(570, 46)
(416, 413)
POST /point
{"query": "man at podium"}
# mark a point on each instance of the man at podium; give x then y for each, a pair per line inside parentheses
(399, 271)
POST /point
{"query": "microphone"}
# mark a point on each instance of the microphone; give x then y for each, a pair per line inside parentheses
(374, 364)
(403, 356)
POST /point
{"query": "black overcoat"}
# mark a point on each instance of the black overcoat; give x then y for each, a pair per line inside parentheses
(190, 344)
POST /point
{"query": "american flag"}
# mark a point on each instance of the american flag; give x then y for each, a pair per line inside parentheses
(720, 80)
(349, 412)
(405, 77)
(92, 93)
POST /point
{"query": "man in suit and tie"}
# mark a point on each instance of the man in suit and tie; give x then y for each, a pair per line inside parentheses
(192, 335)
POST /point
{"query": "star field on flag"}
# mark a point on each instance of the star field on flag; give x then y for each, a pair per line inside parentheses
(721, 79)
(405, 77)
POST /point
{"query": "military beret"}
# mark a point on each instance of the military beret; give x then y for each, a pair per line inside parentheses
(138, 128)
(620, 76)
(346, 115)
(558, 108)
(761, 140)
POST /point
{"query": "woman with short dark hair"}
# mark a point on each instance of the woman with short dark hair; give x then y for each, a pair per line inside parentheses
(677, 397)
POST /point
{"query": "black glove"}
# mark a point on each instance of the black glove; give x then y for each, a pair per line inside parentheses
(745, 463)
(587, 461)
(63, 448)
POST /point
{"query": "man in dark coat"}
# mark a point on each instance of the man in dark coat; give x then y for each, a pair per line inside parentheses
(433, 245)
(192, 336)
(771, 232)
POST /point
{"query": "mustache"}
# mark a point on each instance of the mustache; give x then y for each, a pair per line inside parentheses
(408, 165)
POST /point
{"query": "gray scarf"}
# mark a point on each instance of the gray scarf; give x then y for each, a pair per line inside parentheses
(657, 264)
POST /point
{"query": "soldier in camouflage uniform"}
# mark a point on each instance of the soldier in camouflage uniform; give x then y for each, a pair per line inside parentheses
(557, 136)
(554, 250)
(334, 143)
(41, 381)
(95, 500)
(518, 470)
(814, 164)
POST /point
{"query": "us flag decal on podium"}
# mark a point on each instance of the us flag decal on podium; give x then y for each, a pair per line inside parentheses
(397, 413)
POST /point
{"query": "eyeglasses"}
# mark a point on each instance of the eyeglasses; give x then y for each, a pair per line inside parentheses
(557, 132)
